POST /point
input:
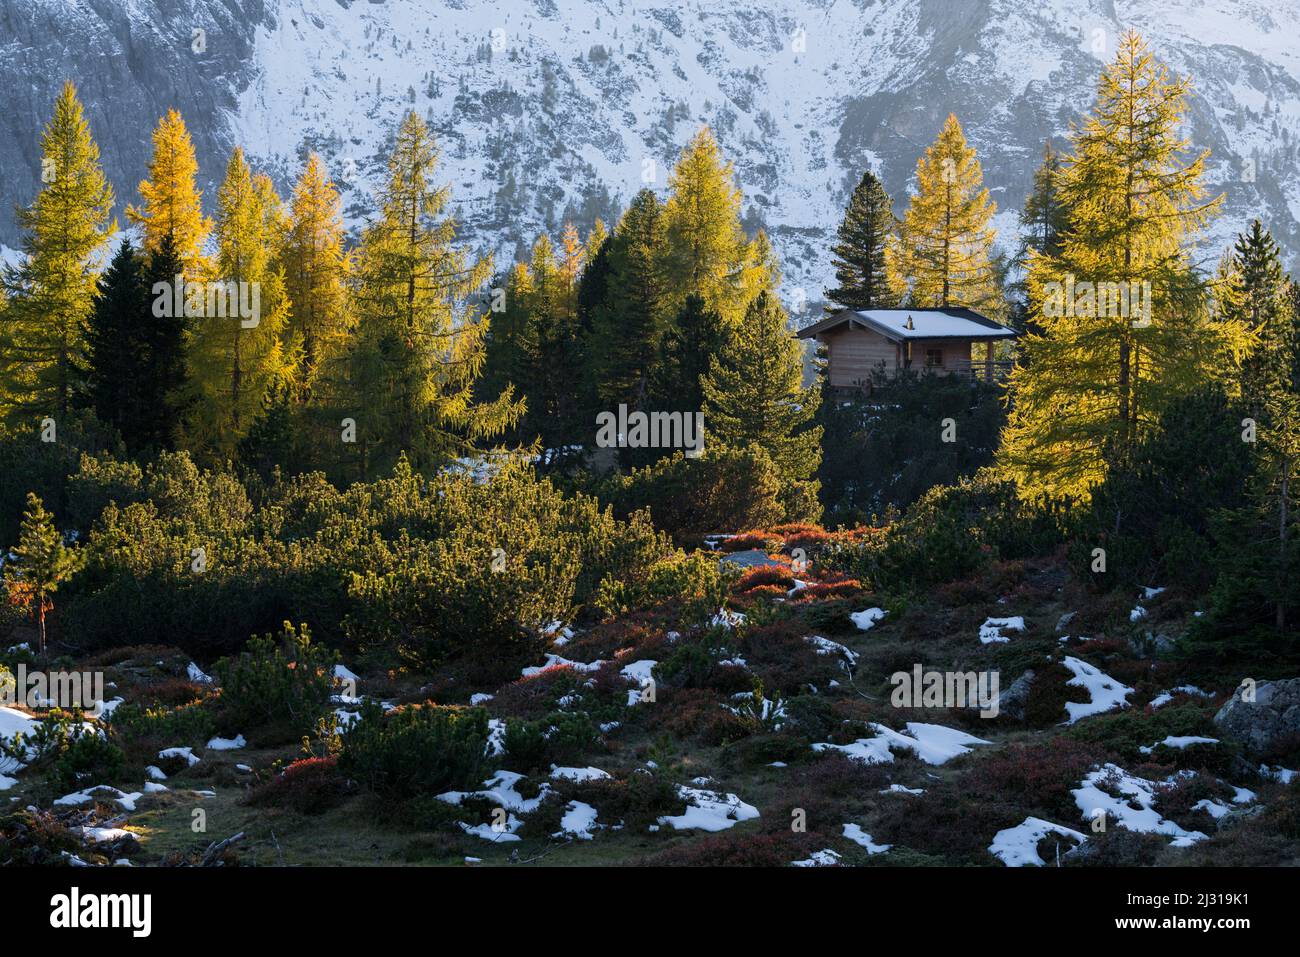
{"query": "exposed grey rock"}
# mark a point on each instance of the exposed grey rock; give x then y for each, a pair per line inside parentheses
(1273, 715)
(750, 558)
(1152, 645)
(1011, 702)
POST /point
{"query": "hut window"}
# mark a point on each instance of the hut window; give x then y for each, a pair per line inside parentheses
(934, 357)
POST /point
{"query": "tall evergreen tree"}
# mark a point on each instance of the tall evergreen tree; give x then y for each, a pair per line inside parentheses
(628, 324)
(236, 355)
(942, 255)
(859, 253)
(114, 369)
(1111, 357)
(694, 339)
(49, 292)
(705, 242)
(315, 272)
(165, 369)
(1044, 218)
(417, 349)
(172, 203)
(1255, 292)
(510, 345)
(754, 395)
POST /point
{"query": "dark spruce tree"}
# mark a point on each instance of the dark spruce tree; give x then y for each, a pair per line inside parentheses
(111, 369)
(134, 365)
(690, 344)
(628, 323)
(163, 369)
(859, 253)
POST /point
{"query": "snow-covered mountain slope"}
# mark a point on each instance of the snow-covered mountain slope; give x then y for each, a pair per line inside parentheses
(554, 109)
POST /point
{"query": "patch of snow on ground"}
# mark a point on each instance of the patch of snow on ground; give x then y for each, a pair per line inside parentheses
(1277, 774)
(827, 647)
(1106, 693)
(480, 698)
(13, 722)
(578, 774)
(1018, 846)
(1162, 699)
(826, 858)
(991, 630)
(726, 619)
(639, 673)
(768, 710)
(709, 811)
(1216, 809)
(932, 743)
(186, 753)
(866, 620)
(1173, 741)
(97, 835)
(499, 789)
(579, 820)
(1090, 797)
(860, 837)
(496, 742)
(554, 660)
(101, 792)
(227, 744)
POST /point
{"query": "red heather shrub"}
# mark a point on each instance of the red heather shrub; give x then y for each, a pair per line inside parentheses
(946, 822)
(1096, 650)
(840, 589)
(766, 575)
(836, 775)
(308, 786)
(802, 535)
(698, 713)
(964, 592)
(1035, 775)
(173, 692)
(744, 541)
(764, 591)
(535, 695)
(785, 660)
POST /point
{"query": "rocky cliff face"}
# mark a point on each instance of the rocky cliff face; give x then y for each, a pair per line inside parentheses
(554, 109)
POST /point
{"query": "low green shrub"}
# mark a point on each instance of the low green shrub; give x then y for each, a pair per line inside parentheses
(190, 724)
(276, 682)
(415, 749)
(559, 738)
